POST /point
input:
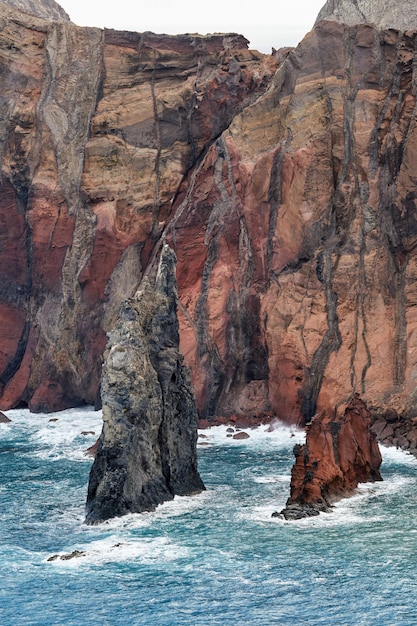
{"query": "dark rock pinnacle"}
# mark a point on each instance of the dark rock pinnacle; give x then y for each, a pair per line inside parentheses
(148, 448)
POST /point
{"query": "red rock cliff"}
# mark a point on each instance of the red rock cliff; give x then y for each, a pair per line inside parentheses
(97, 131)
(288, 194)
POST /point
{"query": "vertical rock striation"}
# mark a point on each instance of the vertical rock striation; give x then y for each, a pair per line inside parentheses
(97, 132)
(339, 453)
(148, 448)
(285, 184)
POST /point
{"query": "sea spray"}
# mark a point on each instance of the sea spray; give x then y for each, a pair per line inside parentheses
(215, 558)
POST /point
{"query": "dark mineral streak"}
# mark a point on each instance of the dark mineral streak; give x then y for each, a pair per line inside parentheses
(148, 448)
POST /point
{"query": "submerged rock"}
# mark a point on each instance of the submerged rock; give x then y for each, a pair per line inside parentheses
(339, 453)
(75, 554)
(4, 419)
(147, 451)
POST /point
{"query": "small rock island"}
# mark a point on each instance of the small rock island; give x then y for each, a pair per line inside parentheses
(148, 447)
(340, 452)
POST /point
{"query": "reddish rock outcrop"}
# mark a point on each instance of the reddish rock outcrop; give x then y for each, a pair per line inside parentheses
(285, 184)
(97, 131)
(339, 453)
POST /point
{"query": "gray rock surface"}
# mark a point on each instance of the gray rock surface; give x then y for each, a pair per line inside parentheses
(45, 9)
(148, 448)
(382, 13)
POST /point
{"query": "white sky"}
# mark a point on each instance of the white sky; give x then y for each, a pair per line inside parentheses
(266, 23)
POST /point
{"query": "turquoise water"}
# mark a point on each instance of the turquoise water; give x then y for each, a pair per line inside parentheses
(216, 558)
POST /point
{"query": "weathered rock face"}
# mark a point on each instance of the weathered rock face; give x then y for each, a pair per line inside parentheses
(148, 448)
(338, 454)
(288, 196)
(382, 13)
(97, 131)
(301, 225)
(45, 9)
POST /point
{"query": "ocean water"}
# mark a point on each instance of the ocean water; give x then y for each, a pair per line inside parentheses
(215, 558)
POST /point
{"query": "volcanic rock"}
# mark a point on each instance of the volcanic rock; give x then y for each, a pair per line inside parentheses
(285, 183)
(75, 554)
(147, 452)
(98, 130)
(382, 13)
(241, 435)
(45, 9)
(339, 453)
(395, 427)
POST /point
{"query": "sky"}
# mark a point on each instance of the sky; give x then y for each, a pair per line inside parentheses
(266, 23)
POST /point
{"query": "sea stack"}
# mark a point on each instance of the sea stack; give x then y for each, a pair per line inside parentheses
(148, 448)
(339, 453)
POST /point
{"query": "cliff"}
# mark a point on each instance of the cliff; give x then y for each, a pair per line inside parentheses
(97, 132)
(338, 454)
(285, 184)
(148, 447)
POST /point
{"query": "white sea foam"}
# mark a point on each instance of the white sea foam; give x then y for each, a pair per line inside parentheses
(57, 435)
(180, 505)
(115, 548)
(274, 479)
(394, 455)
(276, 436)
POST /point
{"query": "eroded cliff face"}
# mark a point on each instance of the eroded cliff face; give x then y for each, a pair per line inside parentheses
(97, 131)
(288, 195)
(381, 13)
(338, 454)
(304, 215)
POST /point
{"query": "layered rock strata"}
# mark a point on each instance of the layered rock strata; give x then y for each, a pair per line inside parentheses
(288, 194)
(305, 288)
(98, 129)
(339, 453)
(148, 447)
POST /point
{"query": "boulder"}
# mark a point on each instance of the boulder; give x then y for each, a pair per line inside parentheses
(75, 554)
(241, 435)
(148, 447)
